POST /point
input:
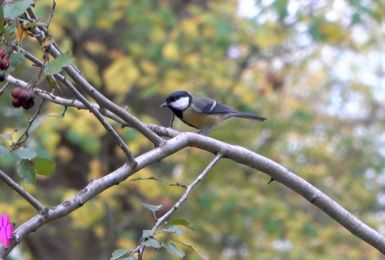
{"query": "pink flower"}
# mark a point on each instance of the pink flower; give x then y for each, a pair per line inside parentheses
(6, 231)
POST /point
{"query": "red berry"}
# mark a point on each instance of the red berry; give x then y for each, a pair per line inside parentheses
(4, 64)
(2, 53)
(26, 94)
(16, 92)
(16, 102)
(28, 104)
(23, 95)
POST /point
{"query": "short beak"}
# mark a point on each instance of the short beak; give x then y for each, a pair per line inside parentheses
(164, 105)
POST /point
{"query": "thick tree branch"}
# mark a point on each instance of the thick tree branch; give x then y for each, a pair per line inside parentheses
(22, 192)
(236, 153)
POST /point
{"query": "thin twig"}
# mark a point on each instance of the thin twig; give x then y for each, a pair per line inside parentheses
(189, 188)
(3, 88)
(100, 117)
(24, 137)
(51, 13)
(22, 192)
(140, 248)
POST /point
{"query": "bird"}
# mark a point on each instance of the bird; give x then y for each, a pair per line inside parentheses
(202, 112)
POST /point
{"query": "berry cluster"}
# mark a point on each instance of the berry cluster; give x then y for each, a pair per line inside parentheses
(23, 97)
(4, 62)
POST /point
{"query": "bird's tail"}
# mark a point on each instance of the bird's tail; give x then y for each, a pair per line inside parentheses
(247, 115)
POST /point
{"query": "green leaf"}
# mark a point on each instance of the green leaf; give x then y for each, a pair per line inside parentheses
(6, 137)
(26, 153)
(173, 249)
(356, 19)
(280, 7)
(16, 59)
(26, 170)
(147, 233)
(180, 222)
(152, 243)
(44, 166)
(153, 208)
(173, 229)
(189, 246)
(10, 30)
(118, 253)
(310, 230)
(57, 64)
(3, 150)
(302, 115)
(1, 21)
(16, 8)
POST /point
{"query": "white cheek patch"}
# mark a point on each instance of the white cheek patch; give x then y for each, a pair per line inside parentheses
(181, 103)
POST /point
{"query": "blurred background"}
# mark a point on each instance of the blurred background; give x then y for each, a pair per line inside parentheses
(314, 68)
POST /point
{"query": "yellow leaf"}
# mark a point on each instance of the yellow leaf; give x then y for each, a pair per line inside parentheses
(268, 36)
(192, 60)
(124, 242)
(86, 216)
(74, 6)
(64, 153)
(104, 23)
(121, 75)
(95, 47)
(333, 32)
(100, 231)
(170, 51)
(149, 67)
(96, 169)
(89, 68)
(190, 28)
(157, 36)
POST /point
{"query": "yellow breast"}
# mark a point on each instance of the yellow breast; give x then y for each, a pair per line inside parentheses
(200, 120)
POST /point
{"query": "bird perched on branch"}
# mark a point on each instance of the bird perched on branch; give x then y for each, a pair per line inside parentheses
(202, 112)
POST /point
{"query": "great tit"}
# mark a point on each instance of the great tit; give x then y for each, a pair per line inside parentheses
(202, 112)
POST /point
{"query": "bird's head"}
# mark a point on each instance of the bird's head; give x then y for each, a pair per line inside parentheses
(179, 100)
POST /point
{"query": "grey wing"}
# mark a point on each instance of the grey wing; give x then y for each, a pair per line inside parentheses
(207, 105)
(220, 108)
